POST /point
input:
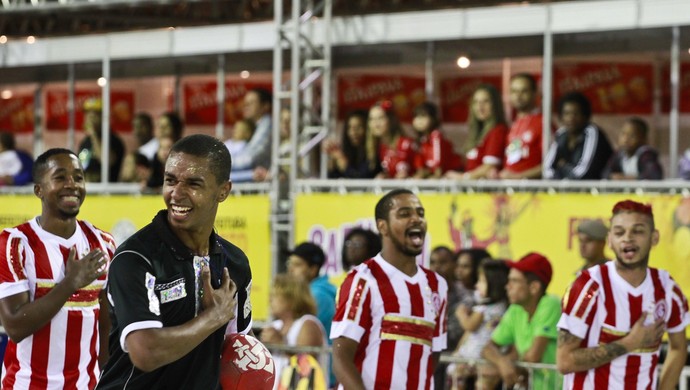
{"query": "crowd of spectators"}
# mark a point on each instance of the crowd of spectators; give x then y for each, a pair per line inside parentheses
(375, 144)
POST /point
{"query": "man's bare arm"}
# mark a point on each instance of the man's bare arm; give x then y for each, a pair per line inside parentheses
(504, 363)
(153, 348)
(346, 372)
(23, 317)
(570, 357)
(536, 352)
(675, 360)
(103, 329)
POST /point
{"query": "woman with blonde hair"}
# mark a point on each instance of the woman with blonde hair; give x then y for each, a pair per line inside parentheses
(485, 145)
(295, 324)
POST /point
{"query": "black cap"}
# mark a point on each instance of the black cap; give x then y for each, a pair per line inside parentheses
(311, 253)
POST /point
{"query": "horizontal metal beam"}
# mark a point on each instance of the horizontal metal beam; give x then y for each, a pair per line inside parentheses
(671, 186)
(451, 24)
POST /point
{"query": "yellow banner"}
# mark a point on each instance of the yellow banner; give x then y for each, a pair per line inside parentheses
(243, 220)
(509, 226)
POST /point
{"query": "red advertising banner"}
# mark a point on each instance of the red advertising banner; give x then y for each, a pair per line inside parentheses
(362, 92)
(611, 88)
(200, 101)
(456, 94)
(57, 116)
(17, 114)
(684, 98)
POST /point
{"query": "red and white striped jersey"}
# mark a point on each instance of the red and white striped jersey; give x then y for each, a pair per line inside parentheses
(601, 307)
(64, 353)
(398, 321)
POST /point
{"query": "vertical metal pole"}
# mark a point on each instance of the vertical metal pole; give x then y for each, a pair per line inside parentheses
(295, 70)
(70, 107)
(220, 96)
(547, 88)
(274, 195)
(177, 91)
(38, 121)
(326, 79)
(675, 100)
(105, 123)
(507, 71)
(429, 81)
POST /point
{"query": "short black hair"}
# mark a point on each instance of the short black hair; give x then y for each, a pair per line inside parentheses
(385, 204)
(202, 145)
(42, 161)
(496, 274)
(443, 248)
(577, 98)
(476, 256)
(526, 76)
(265, 96)
(640, 126)
(176, 124)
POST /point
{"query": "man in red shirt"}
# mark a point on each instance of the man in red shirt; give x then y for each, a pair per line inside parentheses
(523, 154)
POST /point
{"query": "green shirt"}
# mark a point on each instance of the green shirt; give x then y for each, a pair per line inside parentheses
(516, 329)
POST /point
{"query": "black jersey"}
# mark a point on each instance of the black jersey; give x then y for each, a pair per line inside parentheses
(155, 281)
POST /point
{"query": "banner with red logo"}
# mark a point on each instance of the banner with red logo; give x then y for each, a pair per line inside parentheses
(57, 115)
(611, 88)
(684, 98)
(200, 101)
(456, 95)
(17, 114)
(361, 92)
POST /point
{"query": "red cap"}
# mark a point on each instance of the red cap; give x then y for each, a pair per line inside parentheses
(535, 263)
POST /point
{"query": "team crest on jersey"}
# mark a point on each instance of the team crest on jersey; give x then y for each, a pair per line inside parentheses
(660, 310)
(527, 136)
(247, 309)
(436, 301)
(154, 303)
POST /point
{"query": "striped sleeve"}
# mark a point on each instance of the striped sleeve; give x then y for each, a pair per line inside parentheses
(550, 159)
(679, 318)
(352, 314)
(588, 153)
(13, 278)
(440, 341)
(578, 302)
(109, 241)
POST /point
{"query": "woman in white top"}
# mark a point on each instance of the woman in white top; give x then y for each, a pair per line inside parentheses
(295, 324)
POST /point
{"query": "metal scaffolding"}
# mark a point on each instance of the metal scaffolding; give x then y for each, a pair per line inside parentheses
(306, 95)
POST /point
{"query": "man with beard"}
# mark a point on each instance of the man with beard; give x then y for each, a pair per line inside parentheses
(523, 147)
(615, 314)
(52, 273)
(389, 325)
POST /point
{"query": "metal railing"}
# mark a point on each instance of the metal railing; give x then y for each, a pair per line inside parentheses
(135, 189)
(449, 358)
(379, 186)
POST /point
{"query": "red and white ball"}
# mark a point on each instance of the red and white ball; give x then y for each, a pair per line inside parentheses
(246, 364)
